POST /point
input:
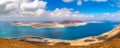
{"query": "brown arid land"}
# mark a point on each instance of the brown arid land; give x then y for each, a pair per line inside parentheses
(6, 43)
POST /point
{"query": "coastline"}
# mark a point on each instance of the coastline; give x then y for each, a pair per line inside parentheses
(79, 42)
(92, 39)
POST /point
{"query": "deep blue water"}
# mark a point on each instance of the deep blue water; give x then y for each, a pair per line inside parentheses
(68, 33)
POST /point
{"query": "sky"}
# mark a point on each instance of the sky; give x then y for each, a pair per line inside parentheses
(84, 6)
(59, 10)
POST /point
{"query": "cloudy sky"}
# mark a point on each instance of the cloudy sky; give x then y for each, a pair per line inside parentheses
(56, 10)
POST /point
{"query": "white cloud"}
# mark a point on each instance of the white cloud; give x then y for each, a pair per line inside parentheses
(4, 6)
(79, 2)
(108, 16)
(11, 6)
(100, 0)
(23, 10)
(33, 6)
(97, 0)
(7, 6)
(58, 15)
(68, 1)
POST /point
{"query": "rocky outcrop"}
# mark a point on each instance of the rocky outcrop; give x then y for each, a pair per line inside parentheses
(40, 41)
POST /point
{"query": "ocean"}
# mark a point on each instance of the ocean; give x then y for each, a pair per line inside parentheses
(67, 33)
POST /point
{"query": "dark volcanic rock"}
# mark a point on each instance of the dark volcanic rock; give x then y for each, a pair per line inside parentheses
(62, 43)
(89, 40)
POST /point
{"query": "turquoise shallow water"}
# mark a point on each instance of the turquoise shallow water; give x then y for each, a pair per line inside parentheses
(68, 33)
